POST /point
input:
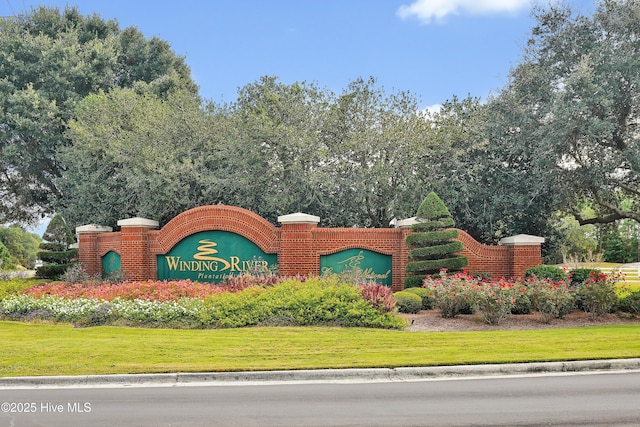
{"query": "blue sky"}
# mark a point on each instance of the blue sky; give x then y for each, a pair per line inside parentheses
(433, 48)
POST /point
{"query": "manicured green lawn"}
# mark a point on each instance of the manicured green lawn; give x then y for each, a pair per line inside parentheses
(45, 349)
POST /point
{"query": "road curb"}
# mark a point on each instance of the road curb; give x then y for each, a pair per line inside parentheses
(323, 375)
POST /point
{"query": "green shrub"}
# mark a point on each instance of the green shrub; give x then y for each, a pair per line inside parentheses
(598, 295)
(425, 294)
(432, 246)
(546, 272)
(411, 282)
(408, 302)
(551, 299)
(630, 303)
(523, 302)
(580, 275)
(17, 285)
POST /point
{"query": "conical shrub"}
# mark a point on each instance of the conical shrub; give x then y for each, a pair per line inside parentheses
(432, 246)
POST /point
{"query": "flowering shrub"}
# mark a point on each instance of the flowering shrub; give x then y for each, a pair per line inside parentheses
(551, 299)
(142, 290)
(493, 300)
(451, 292)
(192, 305)
(597, 295)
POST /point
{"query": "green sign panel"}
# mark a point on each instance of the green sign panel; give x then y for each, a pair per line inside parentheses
(110, 263)
(373, 265)
(212, 256)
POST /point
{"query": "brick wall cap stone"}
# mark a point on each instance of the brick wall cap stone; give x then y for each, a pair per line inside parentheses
(93, 228)
(138, 222)
(522, 239)
(298, 218)
(408, 222)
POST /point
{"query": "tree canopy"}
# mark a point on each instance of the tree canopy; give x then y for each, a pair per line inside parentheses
(102, 124)
(573, 108)
(49, 61)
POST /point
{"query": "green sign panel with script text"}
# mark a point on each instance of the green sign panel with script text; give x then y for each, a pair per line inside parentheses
(371, 265)
(110, 263)
(213, 256)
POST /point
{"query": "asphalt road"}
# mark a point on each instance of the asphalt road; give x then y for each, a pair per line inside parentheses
(582, 399)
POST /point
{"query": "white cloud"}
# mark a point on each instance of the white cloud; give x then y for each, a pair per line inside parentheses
(427, 10)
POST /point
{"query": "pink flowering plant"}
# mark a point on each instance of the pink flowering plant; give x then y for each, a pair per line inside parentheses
(597, 295)
(493, 300)
(451, 292)
(552, 299)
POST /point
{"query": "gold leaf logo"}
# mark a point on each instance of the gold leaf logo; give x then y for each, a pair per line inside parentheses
(206, 249)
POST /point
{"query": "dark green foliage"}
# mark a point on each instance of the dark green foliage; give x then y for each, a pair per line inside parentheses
(22, 245)
(630, 303)
(430, 238)
(546, 272)
(5, 256)
(432, 245)
(424, 267)
(58, 258)
(413, 282)
(433, 225)
(620, 249)
(432, 209)
(51, 59)
(408, 302)
(61, 257)
(51, 271)
(425, 294)
(522, 305)
(580, 275)
(436, 252)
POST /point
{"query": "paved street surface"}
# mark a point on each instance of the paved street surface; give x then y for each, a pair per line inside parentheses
(557, 399)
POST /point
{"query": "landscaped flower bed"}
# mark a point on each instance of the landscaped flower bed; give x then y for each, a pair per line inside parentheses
(495, 300)
(184, 304)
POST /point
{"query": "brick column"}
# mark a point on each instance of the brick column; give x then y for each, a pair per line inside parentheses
(400, 265)
(297, 253)
(135, 257)
(524, 251)
(88, 256)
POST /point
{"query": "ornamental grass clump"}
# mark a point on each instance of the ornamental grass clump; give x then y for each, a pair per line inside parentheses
(552, 299)
(451, 293)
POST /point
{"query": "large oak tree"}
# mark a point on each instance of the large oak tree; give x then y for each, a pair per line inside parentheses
(49, 61)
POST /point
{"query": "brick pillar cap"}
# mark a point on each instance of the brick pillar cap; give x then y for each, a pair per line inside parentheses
(298, 218)
(138, 222)
(522, 239)
(93, 228)
(404, 223)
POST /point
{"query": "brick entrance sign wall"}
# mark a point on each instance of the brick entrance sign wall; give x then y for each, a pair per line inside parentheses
(298, 243)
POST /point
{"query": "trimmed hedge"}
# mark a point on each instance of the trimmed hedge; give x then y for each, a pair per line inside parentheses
(546, 272)
(435, 252)
(408, 302)
(411, 282)
(451, 264)
(431, 238)
(433, 225)
(425, 294)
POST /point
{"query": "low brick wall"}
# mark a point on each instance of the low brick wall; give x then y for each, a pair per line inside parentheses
(299, 243)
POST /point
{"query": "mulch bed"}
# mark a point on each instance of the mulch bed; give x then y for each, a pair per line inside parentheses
(431, 321)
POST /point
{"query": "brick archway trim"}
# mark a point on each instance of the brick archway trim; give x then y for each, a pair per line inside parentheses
(219, 217)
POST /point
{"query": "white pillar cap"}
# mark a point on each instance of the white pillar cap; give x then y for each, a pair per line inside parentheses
(93, 228)
(298, 218)
(138, 222)
(522, 239)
